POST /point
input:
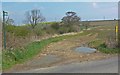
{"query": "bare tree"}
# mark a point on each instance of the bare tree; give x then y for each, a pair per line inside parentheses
(34, 17)
(9, 21)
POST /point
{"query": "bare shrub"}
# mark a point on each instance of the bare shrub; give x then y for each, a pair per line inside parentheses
(111, 41)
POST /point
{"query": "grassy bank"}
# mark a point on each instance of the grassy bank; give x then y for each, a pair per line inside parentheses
(104, 33)
(12, 57)
(16, 56)
(104, 49)
(100, 46)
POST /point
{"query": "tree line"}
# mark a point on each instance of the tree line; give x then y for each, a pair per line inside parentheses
(37, 27)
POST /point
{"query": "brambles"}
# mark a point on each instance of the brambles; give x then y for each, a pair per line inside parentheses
(17, 55)
(111, 41)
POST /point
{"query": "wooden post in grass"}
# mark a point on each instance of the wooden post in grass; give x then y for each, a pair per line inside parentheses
(4, 28)
(116, 32)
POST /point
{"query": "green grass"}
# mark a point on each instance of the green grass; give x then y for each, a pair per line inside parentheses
(95, 43)
(100, 46)
(99, 42)
(104, 49)
(12, 57)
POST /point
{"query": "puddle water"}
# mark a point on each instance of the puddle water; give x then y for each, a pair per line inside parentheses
(85, 50)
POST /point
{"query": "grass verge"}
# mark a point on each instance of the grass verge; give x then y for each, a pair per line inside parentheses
(12, 57)
(104, 49)
(101, 46)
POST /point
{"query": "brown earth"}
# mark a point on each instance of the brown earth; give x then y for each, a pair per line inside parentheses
(64, 51)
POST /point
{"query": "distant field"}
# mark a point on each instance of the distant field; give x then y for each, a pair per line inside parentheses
(103, 22)
(21, 55)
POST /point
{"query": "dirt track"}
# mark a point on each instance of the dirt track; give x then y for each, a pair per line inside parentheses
(63, 52)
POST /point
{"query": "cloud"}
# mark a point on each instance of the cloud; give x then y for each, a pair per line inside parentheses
(94, 4)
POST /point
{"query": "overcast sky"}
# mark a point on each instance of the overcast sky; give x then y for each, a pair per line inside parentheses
(56, 10)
